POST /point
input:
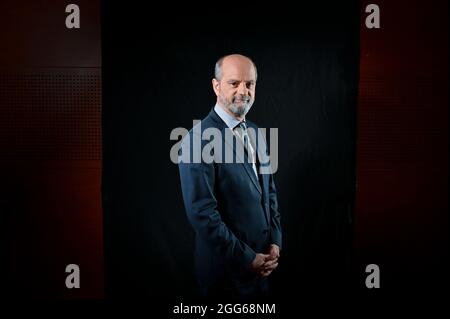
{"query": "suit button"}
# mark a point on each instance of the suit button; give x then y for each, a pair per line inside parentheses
(265, 231)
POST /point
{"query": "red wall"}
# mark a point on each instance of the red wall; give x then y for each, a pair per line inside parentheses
(402, 158)
(50, 148)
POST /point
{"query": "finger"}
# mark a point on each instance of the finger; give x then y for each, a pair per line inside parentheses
(275, 254)
(272, 267)
(270, 262)
(271, 257)
(261, 259)
(262, 268)
(260, 264)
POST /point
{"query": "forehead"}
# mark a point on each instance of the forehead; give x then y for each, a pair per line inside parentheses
(238, 68)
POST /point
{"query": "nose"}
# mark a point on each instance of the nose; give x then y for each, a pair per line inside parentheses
(242, 89)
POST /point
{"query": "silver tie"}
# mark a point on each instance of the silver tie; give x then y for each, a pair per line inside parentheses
(242, 132)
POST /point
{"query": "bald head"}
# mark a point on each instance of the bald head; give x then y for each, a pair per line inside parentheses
(233, 61)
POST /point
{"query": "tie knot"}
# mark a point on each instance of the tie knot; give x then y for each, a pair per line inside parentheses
(243, 126)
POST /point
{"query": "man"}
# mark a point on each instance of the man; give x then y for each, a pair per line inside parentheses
(232, 206)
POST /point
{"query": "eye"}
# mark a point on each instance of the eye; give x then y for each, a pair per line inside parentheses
(249, 85)
(234, 84)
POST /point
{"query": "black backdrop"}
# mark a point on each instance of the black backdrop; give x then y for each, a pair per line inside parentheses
(157, 71)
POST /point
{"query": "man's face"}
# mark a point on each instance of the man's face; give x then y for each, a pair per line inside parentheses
(236, 89)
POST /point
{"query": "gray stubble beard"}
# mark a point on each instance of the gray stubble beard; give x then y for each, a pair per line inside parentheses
(239, 111)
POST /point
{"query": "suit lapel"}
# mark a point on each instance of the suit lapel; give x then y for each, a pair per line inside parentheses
(243, 161)
(264, 178)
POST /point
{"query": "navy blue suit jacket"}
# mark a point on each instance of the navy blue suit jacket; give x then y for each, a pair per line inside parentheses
(234, 214)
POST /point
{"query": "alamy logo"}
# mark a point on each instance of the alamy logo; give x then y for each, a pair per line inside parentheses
(73, 19)
(373, 19)
(225, 146)
(73, 279)
(373, 279)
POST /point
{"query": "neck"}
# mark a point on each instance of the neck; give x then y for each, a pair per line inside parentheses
(239, 118)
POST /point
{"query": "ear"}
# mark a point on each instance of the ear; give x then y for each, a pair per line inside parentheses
(216, 86)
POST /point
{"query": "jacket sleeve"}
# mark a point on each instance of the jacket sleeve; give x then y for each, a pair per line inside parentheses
(197, 185)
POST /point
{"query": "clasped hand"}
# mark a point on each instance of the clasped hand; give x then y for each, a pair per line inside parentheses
(264, 264)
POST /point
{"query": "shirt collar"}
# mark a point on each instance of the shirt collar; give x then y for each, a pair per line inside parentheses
(229, 120)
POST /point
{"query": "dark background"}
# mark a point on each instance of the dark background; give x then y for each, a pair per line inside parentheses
(157, 76)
